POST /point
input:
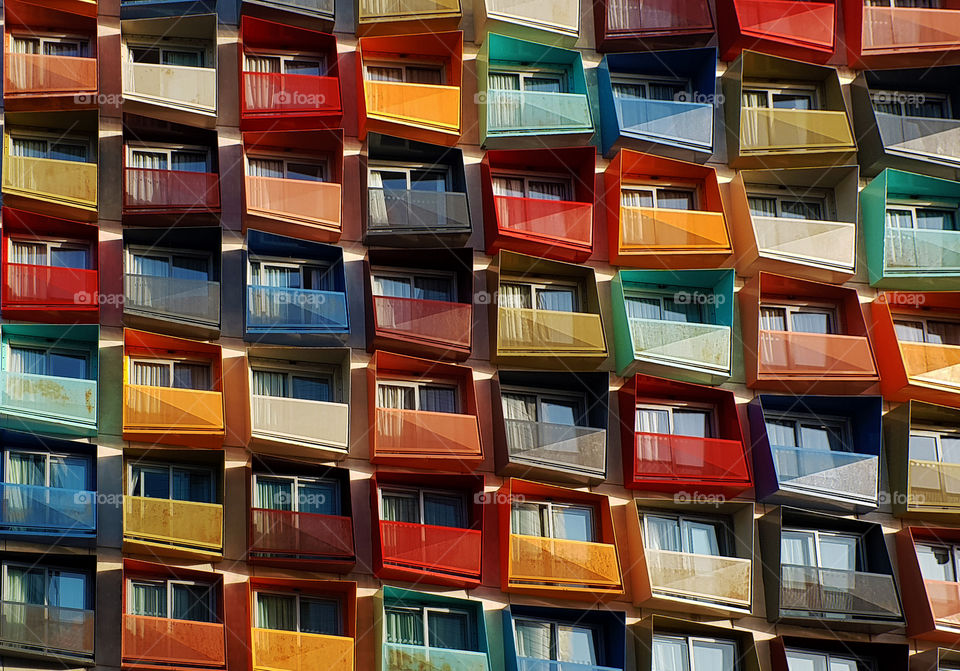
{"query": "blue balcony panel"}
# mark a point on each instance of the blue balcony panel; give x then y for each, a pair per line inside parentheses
(271, 309)
(33, 510)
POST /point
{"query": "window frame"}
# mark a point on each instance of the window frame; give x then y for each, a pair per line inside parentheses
(295, 481)
(835, 325)
(598, 648)
(913, 206)
(416, 385)
(15, 134)
(542, 284)
(169, 467)
(843, 424)
(322, 162)
(771, 89)
(200, 47)
(823, 197)
(860, 555)
(935, 432)
(414, 492)
(167, 149)
(688, 642)
(649, 403)
(550, 505)
(395, 272)
(726, 536)
(409, 168)
(23, 342)
(525, 72)
(213, 602)
(82, 42)
(50, 244)
(899, 99)
(404, 65)
(47, 569)
(661, 294)
(548, 178)
(295, 369)
(655, 189)
(924, 322)
(169, 253)
(425, 611)
(562, 395)
(297, 597)
(285, 56)
(303, 265)
(46, 463)
(632, 79)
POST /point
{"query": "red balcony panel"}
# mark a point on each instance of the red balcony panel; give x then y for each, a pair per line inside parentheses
(163, 641)
(625, 25)
(40, 74)
(789, 20)
(431, 548)
(275, 93)
(944, 600)
(295, 533)
(49, 286)
(669, 457)
(439, 322)
(170, 191)
(548, 220)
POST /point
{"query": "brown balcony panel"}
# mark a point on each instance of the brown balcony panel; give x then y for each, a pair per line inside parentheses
(43, 74)
(66, 630)
(795, 354)
(944, 598)
(418, 433)
(936, 365)
(909, 29)
(316, 203)
(293, 533)
(166, 641)
(424, 546)
(440, 322)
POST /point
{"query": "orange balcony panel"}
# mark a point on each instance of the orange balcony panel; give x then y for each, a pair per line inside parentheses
(161, 409)
(40, 74)
(904, 29)
(286, 532)
(159, 640)
(932, 365)
(577, 564)
(315, 204)
(440, 323)
(48, 286)
(546, 221)
(411, 437)
(814, 355)
(170, 191)
(432, 106)
(944, 598)
(275, 93)
(424, 547)
(275, 650)
(646, 230)
(670, 458)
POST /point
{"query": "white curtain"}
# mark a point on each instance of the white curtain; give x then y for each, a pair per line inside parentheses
(540, 190)
(384, 74)
(265, 167)
(670, 654)
(269, 383)
(28, 148)
(534, 639)
(30, 253)
(515, 296)
(639, 307)
(661, 533)
(529, 519)
(773, 319)
(396, 397)
(150, 374)
(623, 14)
(27, 360)
(149, 599)
(504, 109)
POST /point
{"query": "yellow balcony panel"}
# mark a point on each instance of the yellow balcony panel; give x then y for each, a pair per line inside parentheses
(275, 650)
(386, 10)
(191, 89)
(700, 577)
(523, 330)
(932, 365)
(788, 130)
(422, 105)
(183, 524)
(158, 409)
(62, 182)
(933, 486)
(569, 564)
(648, 230)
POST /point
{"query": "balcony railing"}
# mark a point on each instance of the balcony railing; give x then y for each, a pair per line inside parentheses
(194, 89)
(551, 560)
(172, 298)
(689, 124)
(275, 650)
(406, 9)
(47, 628)
(830, 243)
(822, 590)
(764, 129)
(925, 136)
(49, 286)
(25, 508)
(428, 547)
(165, 409)
(580, 448)
(442, 322)
(43, 74)
(524, 330)
(551, 220)
(827, 473)
(666, 16)
(563, 14)
(911, 250)
(902, 28)
(277, 93)
(277, 309)
(535, 111)
(649, 229)
(285, 532)
(67, 182)
(700, 577)
(534, 664)
(661, 455)
(300, 421)
(298, 200)
(323, 7)
(933, 484)
(935, 365)
(429, 105)
(419, 433)
(702, 345)
(60, 399)
(785, 354)
(402, 657)
(179, 642)
(810, 22)
(416, 211)
(944, 598)
(172, 522)
(171, 190)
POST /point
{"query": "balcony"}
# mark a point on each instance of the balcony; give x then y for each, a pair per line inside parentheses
(433, 106)
(684, 123)
(530, 112)
(396, 16)
(549, 221)
(33, 286)
(447, 440)
(944, 598)
(66, 183)
(526, 331)
(933, 486)
(267, 93)
(304, 535)
(171, 298)
(660, 24)
(581, 449)
(29, 509)
(575, 565)
(679, 459)
(825, 243)
(320, 8)
(833, 592)
(295, 420)
(295, 200)
(700, 577)
(795, 28)
(170, 191)
(785, 355)
(68, 402)
(169, 522)
(435, 549)
(912, 251)
(919, 136)
(275, 650)
(166, 642)
(440, 323)
(42, 75)
(788, 130)
(556, 23)
(162, 409)
(823, 473)
(408, 212)
(647, 230)
(298, 310)
(177, 86)
(398, 656)
(65, 633)
(909, 29)
(701, 345)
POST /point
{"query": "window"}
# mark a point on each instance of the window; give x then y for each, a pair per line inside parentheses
(798, 319)
(298, 612)
(792, 97)
(932, 331)
(28, 359)
(663, 307)
(409, 177)
(810, 432)
(677, 533)
(692, 653)
(543, 295)
(934, 444)
(48, 45)
(295, 493)
(559, 641)
(173, 374)
(938, 561)
(535, 187)
(423, 506)
(408, 73)
(53, 148)
(822, 661)
(929, 216)
(675, 420)
(639, 88)
(567, 409)
(430, 627)
(42, 586)
(661, 197)
(307, 170)
(913, 104)
(168, 157)
(547, 519)
(291, 274)
(811, 205)
(424, 395)
(921, 4)
(52, 253)
(172, 599)
(184, 56)
(288, 64)
(173, 264)
(305, 386)
(44, 469)
(175, 483)
(820, 549)
(420, 286)
(538, 81)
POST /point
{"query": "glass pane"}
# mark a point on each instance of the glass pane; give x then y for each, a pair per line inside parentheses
(511, 187)
(573, 523)
(943, 333)
(670, 654)
(192, 485)
(67, 257)
(189, 161)
(192, 602)
(433, 288)
(541, 190)
(191, 268)
(556, 300)
(838, 552)
(67, 151)
(822, 437)
(691, 423)
(542, 84)
(923, 448)
(277, 611)
(675, 199)
(190, 59)
(403, 625)
(149, 599)
(811, 322)
(762, 207)
(643, 308)
(444, 510)
(793, 101)
(950, 449)
(319, 497)
(394, 180)
(400, 507)
(908, 331)
(650, 420)
(311, 388)
(636, 198)
(690, 313)
(305, 171)
(449, 630)
(438, 399)
(662, 533)
(61, 364)
(806, 661)
(899, 218)
(303, 67)
(575, 644)
(936, 563)
(191, 376)
(25, 468)
(773, 319)
(938, 220)
(394, 287)
(719, 655)
(69, 472)
(534, 639)
(529, 519)
(396, 397)
(153, 483)
(428, 180)
(274, 493)
(702, 538)
(797, 209)
(319, 616)
(798, 548)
